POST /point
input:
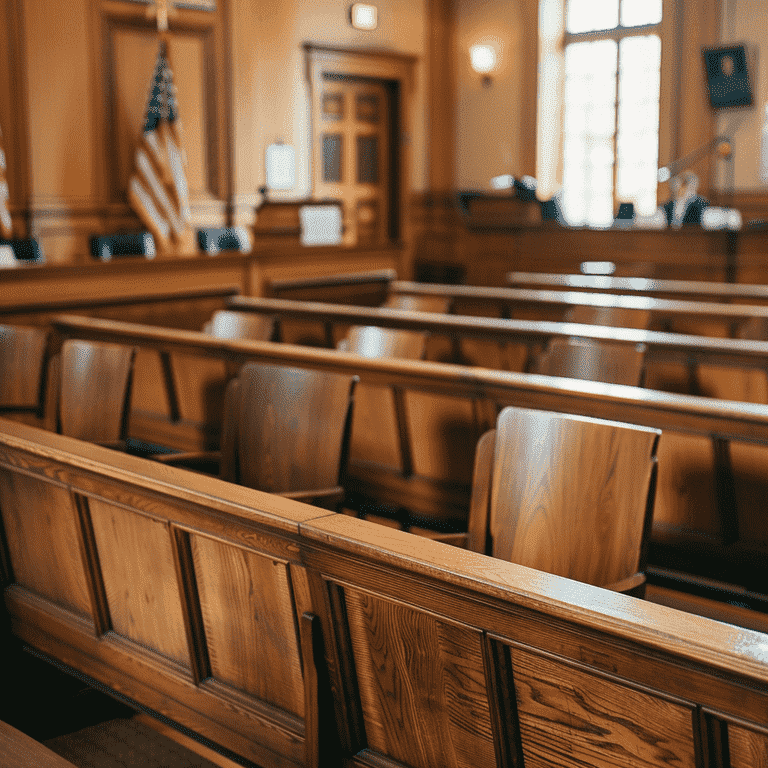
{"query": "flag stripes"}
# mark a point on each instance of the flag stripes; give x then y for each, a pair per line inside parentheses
(6, 228)
(158, 190)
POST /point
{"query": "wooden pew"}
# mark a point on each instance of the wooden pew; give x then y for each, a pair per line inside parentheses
(185, 308)
(450, 659)
(181, 592)
(367, 288)
(660, 346)
(441, 497)
(236, 614)
(672, 289)
(541, 302)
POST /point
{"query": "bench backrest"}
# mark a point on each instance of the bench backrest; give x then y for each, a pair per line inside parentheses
(22, 365)
(681, 289)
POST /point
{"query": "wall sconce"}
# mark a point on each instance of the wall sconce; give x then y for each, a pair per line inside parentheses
(483, 61)
(363, 16)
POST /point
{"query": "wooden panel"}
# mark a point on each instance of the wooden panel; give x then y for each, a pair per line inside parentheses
(374, 427)
(134, 51)
(444, 436)
(250, 627)
(748, 749)
(571, 719)
(39, 520)
(18, 749)
(140, 579)
(569, 494)
(421, 684)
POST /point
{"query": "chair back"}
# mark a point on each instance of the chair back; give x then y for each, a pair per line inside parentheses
(229, 324)
(25, 249)
(594, 361)
(615, 317)
(22, 359)
(286, 429)
(91, 383)
(214, 240)
(106, 247)
(371, 341)
(569, 495)
(438, 304)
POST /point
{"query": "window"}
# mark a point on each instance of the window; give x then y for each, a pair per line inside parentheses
(611, 107)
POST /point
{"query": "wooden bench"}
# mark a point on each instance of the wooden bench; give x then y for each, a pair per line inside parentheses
(366, 288)
(660, 346)
(449, 407)
(674, 289)
(181, 308)
(511, 301)
(250, 620)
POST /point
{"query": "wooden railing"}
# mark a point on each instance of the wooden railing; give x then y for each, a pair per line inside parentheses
(252, 620)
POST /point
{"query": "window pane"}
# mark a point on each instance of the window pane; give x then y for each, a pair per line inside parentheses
(589, 128)
(637, 144)
(589, 15)
(635, 12)
(332, 157)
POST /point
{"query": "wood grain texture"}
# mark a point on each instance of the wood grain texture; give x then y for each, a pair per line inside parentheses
(421, 684)
(140, 579)
(17, 750)
(747, 748)
(250, 624)
(572, 719)
(535, 323)
(95, 388)
(569, 495)
(593, 361)
(611, 316)
(700, 289)
(40, 520)
(227, 324)
(290, 427)
(22, 355)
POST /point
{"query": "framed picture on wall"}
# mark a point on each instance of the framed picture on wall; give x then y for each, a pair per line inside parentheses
(727, 77)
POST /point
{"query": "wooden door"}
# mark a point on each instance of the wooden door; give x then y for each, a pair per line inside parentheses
(353, 161)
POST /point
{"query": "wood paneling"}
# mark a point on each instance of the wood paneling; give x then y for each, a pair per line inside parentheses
(571, 718)
(140, 579)
(747, 748)
(40, 523)
(423, 696)
(256, 650)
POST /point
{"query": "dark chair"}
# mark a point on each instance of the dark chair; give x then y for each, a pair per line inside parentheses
(565, 494)
(89, 390)
(285, 431)
(26, 249)
(106, 247)
(213, 240)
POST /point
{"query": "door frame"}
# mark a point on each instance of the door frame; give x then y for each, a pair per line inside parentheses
(398, 71)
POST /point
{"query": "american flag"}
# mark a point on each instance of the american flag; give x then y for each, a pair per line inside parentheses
(6, 230)
(157, 190)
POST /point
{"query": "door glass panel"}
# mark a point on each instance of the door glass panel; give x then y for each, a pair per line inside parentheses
(332, 148)
(367, 107)
(367, 159)
(333, 106)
